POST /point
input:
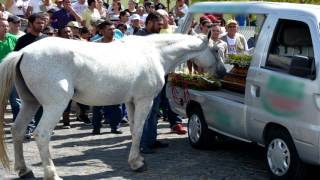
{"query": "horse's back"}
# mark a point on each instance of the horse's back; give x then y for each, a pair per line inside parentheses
(93, 71)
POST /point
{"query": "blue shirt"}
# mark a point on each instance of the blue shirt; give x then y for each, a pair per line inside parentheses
(61, 18)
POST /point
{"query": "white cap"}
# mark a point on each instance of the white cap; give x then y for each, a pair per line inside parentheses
(134, 17)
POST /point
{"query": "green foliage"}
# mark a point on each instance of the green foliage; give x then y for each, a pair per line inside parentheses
(242, 60)
(195, 81)
(290, 1)
(240, 57)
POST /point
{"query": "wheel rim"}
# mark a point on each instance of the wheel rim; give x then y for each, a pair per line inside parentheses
(194, 128)
(278, 156)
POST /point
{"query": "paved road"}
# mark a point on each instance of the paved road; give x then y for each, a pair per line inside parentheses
(78, 155)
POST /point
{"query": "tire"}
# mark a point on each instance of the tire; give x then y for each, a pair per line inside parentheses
(200, 137)
(282, 158)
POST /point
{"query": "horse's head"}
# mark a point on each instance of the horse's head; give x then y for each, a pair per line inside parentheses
(212, 61)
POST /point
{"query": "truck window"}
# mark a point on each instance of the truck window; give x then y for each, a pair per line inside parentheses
(291, 50)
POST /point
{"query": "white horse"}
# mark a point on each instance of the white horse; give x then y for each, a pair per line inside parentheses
(52, 71)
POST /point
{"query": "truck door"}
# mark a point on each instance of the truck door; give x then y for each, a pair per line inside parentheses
(282, 85)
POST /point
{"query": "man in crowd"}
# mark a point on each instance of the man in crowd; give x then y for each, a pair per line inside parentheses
(216, 41)
(90, 14)
(167, 113)
(236, 42)
(7, 40)
(15, 25)
(36, 25)
(153, 24)
(179, 10)
(113, 112)
(60, 18)
(7, 44)
(134, 24)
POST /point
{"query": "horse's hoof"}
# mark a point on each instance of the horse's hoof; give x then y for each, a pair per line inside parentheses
(142, 168)
(27, 175)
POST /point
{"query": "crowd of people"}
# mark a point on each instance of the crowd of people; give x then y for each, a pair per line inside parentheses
(97, 21)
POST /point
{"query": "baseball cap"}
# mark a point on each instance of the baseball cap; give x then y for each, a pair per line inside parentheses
(14, 19)
(73, 24)
(231, 21)
(135, 17)
(213, 19)
(97, 22)
(202, 18)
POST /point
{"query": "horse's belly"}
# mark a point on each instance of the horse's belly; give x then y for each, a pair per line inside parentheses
(96, 98)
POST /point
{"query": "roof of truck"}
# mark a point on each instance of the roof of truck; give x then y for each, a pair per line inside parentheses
(255, 8)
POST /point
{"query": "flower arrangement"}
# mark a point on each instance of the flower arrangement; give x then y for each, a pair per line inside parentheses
(194, 81)
(241, 60)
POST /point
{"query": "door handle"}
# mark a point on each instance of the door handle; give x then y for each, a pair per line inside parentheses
(255, 90)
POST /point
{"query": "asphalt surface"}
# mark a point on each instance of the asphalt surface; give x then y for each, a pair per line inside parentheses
(79, 155)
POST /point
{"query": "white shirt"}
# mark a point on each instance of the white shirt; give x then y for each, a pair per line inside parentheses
(35, 4)
(231, 45)
(79, 8)
(19, 8)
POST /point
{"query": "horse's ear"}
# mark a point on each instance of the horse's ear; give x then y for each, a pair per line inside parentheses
(209, 35)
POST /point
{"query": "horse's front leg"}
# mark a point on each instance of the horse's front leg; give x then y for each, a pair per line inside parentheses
(141, 111)
(49, 119)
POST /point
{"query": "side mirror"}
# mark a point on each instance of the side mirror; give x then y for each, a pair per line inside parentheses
(301, 66)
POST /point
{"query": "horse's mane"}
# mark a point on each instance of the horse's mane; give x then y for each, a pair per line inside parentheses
(167, 40)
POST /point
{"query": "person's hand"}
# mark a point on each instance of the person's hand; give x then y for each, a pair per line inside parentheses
(68, 7)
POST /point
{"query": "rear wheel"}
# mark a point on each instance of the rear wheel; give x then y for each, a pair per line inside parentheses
(200, 136)
(282, 157)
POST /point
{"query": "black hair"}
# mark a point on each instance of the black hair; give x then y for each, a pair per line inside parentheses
(52, 10)
(90, 2)
(32, 18)
(153, 16)
(123, 13)
(105, 23)
(122, 25)
(84, 30)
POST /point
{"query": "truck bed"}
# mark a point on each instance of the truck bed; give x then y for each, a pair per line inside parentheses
(223, 93)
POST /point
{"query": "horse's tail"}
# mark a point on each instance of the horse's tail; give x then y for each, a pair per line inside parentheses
(7, 70)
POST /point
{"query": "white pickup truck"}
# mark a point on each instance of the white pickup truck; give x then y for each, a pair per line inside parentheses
(279, 107)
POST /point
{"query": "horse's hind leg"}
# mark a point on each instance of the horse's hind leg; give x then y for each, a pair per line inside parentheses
(130, 110)
(27, 110)
(141, 111)
(49, 119)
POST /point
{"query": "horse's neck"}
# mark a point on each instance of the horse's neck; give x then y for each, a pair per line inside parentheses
(179, 52)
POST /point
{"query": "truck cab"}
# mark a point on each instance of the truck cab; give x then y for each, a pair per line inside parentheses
(279, 107)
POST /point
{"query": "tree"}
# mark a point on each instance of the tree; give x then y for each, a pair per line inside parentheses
(290, 1)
